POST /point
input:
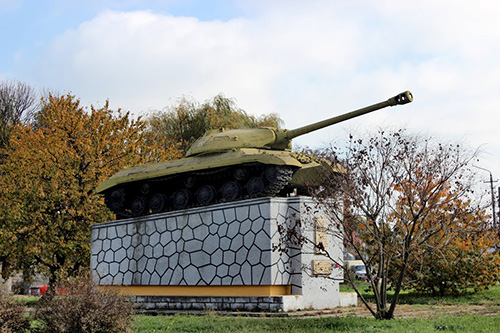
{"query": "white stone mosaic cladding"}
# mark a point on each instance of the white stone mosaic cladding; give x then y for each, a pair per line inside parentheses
(220, 245)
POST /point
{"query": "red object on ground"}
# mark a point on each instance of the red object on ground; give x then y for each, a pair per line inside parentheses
(38, 290)
(42, 289)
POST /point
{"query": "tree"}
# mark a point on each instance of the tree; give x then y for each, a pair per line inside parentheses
(17, 99)
(466, 261)
(382, 172)
(47, 191)
(187, 121)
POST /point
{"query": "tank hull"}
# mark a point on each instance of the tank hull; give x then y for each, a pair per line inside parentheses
(210, 178)
(197, 163)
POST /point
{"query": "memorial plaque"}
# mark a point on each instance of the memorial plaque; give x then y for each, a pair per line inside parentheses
(322, 267)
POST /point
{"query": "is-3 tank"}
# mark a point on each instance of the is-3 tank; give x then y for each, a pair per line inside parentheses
(225, 165)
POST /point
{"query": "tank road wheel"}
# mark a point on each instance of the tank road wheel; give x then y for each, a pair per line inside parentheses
(206, 195)
(117, 199)
(144, 189)
(190, 181)
(230, 191)
(181, 198)
(138, 206)
(255, 186)
(240, 173)
(158, 203)
(271, 173)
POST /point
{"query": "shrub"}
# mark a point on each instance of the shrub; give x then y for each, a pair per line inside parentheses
(13, 317)
(82, 307)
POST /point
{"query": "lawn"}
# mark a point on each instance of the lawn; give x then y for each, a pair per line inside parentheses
(490, 296)
(210, 323)
(417, 313)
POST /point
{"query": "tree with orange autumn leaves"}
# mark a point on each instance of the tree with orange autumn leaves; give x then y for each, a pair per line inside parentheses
(49, 176)
(458, 257)
(400, 194)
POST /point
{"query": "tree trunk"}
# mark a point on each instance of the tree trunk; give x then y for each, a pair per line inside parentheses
(51, 291)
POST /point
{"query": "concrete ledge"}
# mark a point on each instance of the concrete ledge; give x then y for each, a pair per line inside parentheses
(348, 299)
(167, 304)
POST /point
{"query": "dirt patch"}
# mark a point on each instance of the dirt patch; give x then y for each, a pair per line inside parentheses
(404, 311)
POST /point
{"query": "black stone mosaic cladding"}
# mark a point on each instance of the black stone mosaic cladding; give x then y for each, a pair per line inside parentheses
(225, 244)
(166, 304)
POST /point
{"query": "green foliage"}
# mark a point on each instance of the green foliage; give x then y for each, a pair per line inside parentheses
(13, 317)
(187, 121)
(84, 308)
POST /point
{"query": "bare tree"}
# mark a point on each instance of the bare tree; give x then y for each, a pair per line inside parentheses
(17, 101)
(392, 185)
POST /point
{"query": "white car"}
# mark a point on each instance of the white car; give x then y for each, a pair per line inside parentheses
(359, 272)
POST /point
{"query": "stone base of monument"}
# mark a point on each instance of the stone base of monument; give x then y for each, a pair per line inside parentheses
(229, 256)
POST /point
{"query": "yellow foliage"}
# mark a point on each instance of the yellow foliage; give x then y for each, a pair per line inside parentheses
(460, 254)
(52, 168)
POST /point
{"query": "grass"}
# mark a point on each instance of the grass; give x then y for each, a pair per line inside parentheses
(486, 297)
(27, 300)
(179, 323)
(447, 323)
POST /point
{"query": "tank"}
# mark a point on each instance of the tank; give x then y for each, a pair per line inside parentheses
(226, 165)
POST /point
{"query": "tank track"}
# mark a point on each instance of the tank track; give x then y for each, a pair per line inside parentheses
(199, 188)
(283, 176)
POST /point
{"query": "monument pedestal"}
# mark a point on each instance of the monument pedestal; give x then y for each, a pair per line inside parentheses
(220, 257)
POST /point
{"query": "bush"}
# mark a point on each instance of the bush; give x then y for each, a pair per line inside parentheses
(13, 317)
(81, 307)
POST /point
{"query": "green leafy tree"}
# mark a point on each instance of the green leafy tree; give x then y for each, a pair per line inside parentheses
(188, 120)
(47, 192)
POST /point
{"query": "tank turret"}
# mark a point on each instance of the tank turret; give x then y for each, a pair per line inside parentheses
(226, 165)
(279, 139)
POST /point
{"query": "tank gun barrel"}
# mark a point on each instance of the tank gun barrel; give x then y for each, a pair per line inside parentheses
(402, 98)
(277, 139)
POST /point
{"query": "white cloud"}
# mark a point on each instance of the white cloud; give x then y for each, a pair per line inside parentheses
(305, 60)
(142, 58)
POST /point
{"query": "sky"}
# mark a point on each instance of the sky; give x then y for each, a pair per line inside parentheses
(305, 60)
